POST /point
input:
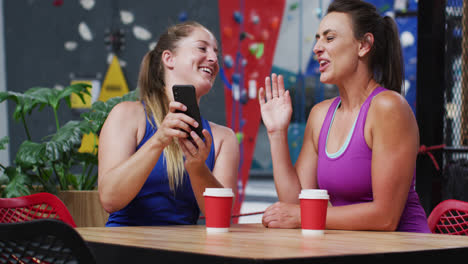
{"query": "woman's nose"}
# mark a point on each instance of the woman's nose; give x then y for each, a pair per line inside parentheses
(213, 56)
(317, 48)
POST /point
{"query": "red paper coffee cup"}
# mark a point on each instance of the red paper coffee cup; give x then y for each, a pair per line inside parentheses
(314, 203)
(218, 205)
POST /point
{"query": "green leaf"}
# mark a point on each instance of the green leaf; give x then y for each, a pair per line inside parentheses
(42, 95)
(4, 179)
(79, 89)
(20, 100)
(7, 95)
(42, 176)
(100, 110)
(87, 158)
(3, 142)
(72, 180)
(17, 185)
(65, 141)
(90, 183)
(51, 97)
(30, 154)
(61, 173)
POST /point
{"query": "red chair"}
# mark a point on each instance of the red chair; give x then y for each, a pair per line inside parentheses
(35, 206)
(449, 217)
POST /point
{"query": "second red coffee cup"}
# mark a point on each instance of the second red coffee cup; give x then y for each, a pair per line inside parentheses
(218, 206)
(314, 203)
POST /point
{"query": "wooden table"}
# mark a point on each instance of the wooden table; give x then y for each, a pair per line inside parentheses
(253, 243)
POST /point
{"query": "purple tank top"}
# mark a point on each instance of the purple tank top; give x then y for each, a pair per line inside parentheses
(347, 174)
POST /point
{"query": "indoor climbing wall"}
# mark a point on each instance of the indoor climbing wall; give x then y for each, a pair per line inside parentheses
(249, 31)
(54, 43)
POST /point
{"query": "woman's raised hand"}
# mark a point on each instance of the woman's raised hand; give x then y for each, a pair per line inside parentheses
(175, 125)
(275, 104)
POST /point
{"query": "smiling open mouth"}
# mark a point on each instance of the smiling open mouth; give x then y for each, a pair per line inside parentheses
(207, 70)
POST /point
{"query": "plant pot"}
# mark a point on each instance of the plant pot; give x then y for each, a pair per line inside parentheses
(85, 207)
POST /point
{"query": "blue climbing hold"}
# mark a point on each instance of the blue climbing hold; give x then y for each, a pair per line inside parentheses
(183, 16)
(238, 17)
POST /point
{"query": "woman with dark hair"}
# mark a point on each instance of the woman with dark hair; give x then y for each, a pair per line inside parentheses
(150, 172)
(360, 146)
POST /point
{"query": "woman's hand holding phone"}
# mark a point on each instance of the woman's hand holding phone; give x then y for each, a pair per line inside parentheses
(175, 124)
(196, 150)
(186, 95)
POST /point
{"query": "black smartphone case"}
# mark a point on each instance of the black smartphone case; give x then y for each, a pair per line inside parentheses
(186, 95)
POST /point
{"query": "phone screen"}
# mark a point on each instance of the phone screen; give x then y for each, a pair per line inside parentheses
(186, 95)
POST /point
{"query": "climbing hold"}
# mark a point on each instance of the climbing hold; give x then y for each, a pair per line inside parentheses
(228, 61)
(253, 75)
(265, 35)
(252, 89)
(57, 2)
(318, 12)
(293, 6)
(275, 23)
(255, 19)
(407, 39)
(238, 17)
(236, 91)
(183, 16)
(240, 136)
(243, 97)
(227, 32)
(257, 49)
(244, 62)
(235, 78)
(244, 35)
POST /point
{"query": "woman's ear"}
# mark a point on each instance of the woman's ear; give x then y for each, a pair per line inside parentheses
(366, 44)
(168, 59)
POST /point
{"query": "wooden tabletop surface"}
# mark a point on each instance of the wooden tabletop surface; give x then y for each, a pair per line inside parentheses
(257, 242)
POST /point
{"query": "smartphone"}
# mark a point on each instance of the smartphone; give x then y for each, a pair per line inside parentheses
(186, 95)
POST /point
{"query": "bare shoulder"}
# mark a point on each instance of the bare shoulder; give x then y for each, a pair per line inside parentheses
(224, 139)
(317, 114)
(320, 109)
(389, 103)
(222, 132)
(391, 117)
(129, 116)
(128, 109)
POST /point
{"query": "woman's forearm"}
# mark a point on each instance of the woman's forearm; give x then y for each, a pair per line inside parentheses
(119, 185)
(201, 178)
(285, 176)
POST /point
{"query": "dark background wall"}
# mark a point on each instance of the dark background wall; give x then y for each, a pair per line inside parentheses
(36, 32)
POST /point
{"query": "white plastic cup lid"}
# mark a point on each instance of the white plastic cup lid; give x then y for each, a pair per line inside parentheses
(219, 192)
(314, 194)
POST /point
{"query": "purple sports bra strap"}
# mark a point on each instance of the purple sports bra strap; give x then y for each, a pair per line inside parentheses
(326, 125)
(331, 110)
(366, 105)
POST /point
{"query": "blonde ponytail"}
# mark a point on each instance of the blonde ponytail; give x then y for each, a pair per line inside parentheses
(153, 95)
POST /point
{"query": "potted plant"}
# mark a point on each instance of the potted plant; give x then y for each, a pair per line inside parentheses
(55, 164)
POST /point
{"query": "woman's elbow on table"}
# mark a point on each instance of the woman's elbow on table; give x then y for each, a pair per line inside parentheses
(109, 202)
(389, 225)
(387, 222)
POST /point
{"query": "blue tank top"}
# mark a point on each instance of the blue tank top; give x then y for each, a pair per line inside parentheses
(156, 204)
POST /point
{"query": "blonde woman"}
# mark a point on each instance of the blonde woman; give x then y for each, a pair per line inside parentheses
(150, 173)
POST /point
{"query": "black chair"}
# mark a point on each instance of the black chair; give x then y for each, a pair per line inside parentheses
(42, 241)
